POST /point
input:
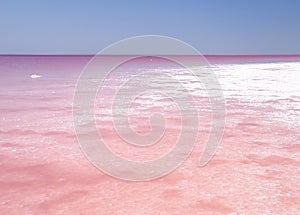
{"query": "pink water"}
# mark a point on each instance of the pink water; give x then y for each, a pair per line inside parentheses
(256, 169)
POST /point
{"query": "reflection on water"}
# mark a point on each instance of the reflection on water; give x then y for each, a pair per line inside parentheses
(255, 171)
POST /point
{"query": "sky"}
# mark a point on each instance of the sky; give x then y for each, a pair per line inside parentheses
(211, 26)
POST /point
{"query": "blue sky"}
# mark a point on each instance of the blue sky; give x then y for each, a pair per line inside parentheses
(211, 26)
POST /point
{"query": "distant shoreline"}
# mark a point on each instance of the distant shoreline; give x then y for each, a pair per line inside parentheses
(218, 59)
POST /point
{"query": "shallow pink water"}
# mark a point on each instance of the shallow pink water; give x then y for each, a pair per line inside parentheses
(256, 169)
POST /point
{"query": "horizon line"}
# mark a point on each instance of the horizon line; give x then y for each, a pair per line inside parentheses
(210, 55)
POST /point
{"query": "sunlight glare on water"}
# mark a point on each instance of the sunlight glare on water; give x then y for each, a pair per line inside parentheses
(255, 171)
